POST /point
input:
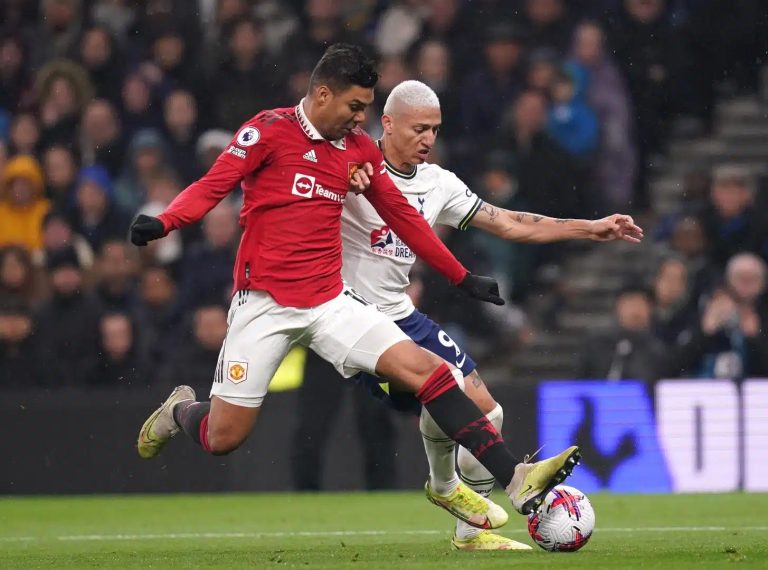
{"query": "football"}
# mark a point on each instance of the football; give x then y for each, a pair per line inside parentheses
(564, 522)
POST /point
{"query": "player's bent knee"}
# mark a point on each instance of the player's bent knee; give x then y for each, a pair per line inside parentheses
(222, 442)
(230, 423)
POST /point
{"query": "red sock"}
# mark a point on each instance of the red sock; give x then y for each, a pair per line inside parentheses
(463, 422)
(204, 434)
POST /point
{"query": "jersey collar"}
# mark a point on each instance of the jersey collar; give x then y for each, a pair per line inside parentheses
(391, 167)
(310, 130)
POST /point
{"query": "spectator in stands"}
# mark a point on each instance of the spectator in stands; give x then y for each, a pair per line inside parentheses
(245, 79)
(15, 81)
(119, 16)
(510, 262)
(121, 361)
(322, 25)
(674, 312)
(216, 254)
(147, 156)
(162, 188)
(724, 52)
(181, 132)
(18, 14)
(63, 90)
(157, 314)
(101, 137)
(209, 146)
(22, 203)
(60, 166)
(99, 56)
(58, 234)
(393, 70)
(20, 363)
(279, 21)
(547, 177)
(57, 32)
(729, 342)
(445, 20)
(298, 74)
(221, 17)
(96, 216)
(499, 75)
(116, 271)
(731, 222)
(542, 68)
(688, 241)
(195, 359)
(67, 323)
(398, 27)
(572, 123)
(138, 108)
(17, 275)
(24, 134)
(548, 24)
(432, 65)
(171, 57)
(629, 350)
(607, 94)
(646, 48)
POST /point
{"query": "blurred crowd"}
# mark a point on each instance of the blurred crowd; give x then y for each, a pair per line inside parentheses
(704, 311)
(109, 108)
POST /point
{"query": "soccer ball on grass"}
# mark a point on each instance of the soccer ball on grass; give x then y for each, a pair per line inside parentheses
(564, 522)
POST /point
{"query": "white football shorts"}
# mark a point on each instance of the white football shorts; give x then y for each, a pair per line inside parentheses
(347, 331)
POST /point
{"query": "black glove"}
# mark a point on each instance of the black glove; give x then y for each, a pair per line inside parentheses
(146, 228)
(482, 288)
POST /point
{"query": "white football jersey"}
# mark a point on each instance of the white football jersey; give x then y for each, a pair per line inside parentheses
(376, 261)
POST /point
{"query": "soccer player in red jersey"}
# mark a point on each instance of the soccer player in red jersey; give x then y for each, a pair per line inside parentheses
(295, 166)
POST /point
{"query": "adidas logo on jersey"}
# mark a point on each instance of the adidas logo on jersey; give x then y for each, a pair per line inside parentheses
(310, 155)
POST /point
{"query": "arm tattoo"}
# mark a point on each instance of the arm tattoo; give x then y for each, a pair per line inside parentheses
(476, 382)
(563, 220)
(492, 212)
(520, 217)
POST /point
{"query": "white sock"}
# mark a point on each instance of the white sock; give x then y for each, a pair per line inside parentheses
(475, 476)
(441, 455)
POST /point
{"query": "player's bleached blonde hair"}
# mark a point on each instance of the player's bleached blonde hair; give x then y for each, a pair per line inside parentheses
(411, 93)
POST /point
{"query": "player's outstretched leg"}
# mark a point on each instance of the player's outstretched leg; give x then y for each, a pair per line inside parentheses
(161, 426)
(532, 481)
(459, 418)
(444, 488)
(479, 479)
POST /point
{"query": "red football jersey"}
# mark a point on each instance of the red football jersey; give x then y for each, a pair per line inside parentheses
(294, 184)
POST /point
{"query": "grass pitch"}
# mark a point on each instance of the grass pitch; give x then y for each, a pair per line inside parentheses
(363, 530)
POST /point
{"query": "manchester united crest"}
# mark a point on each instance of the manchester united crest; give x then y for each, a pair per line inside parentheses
(237, 371)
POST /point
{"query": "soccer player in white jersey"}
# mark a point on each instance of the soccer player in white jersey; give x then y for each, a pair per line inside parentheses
(377, 263)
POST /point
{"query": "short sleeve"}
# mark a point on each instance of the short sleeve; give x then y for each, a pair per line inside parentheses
(250, 147)
(461, 203)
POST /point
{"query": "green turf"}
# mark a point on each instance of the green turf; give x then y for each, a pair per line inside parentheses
(385, 530)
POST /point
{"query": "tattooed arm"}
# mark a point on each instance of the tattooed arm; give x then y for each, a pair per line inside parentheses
(535, 228)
